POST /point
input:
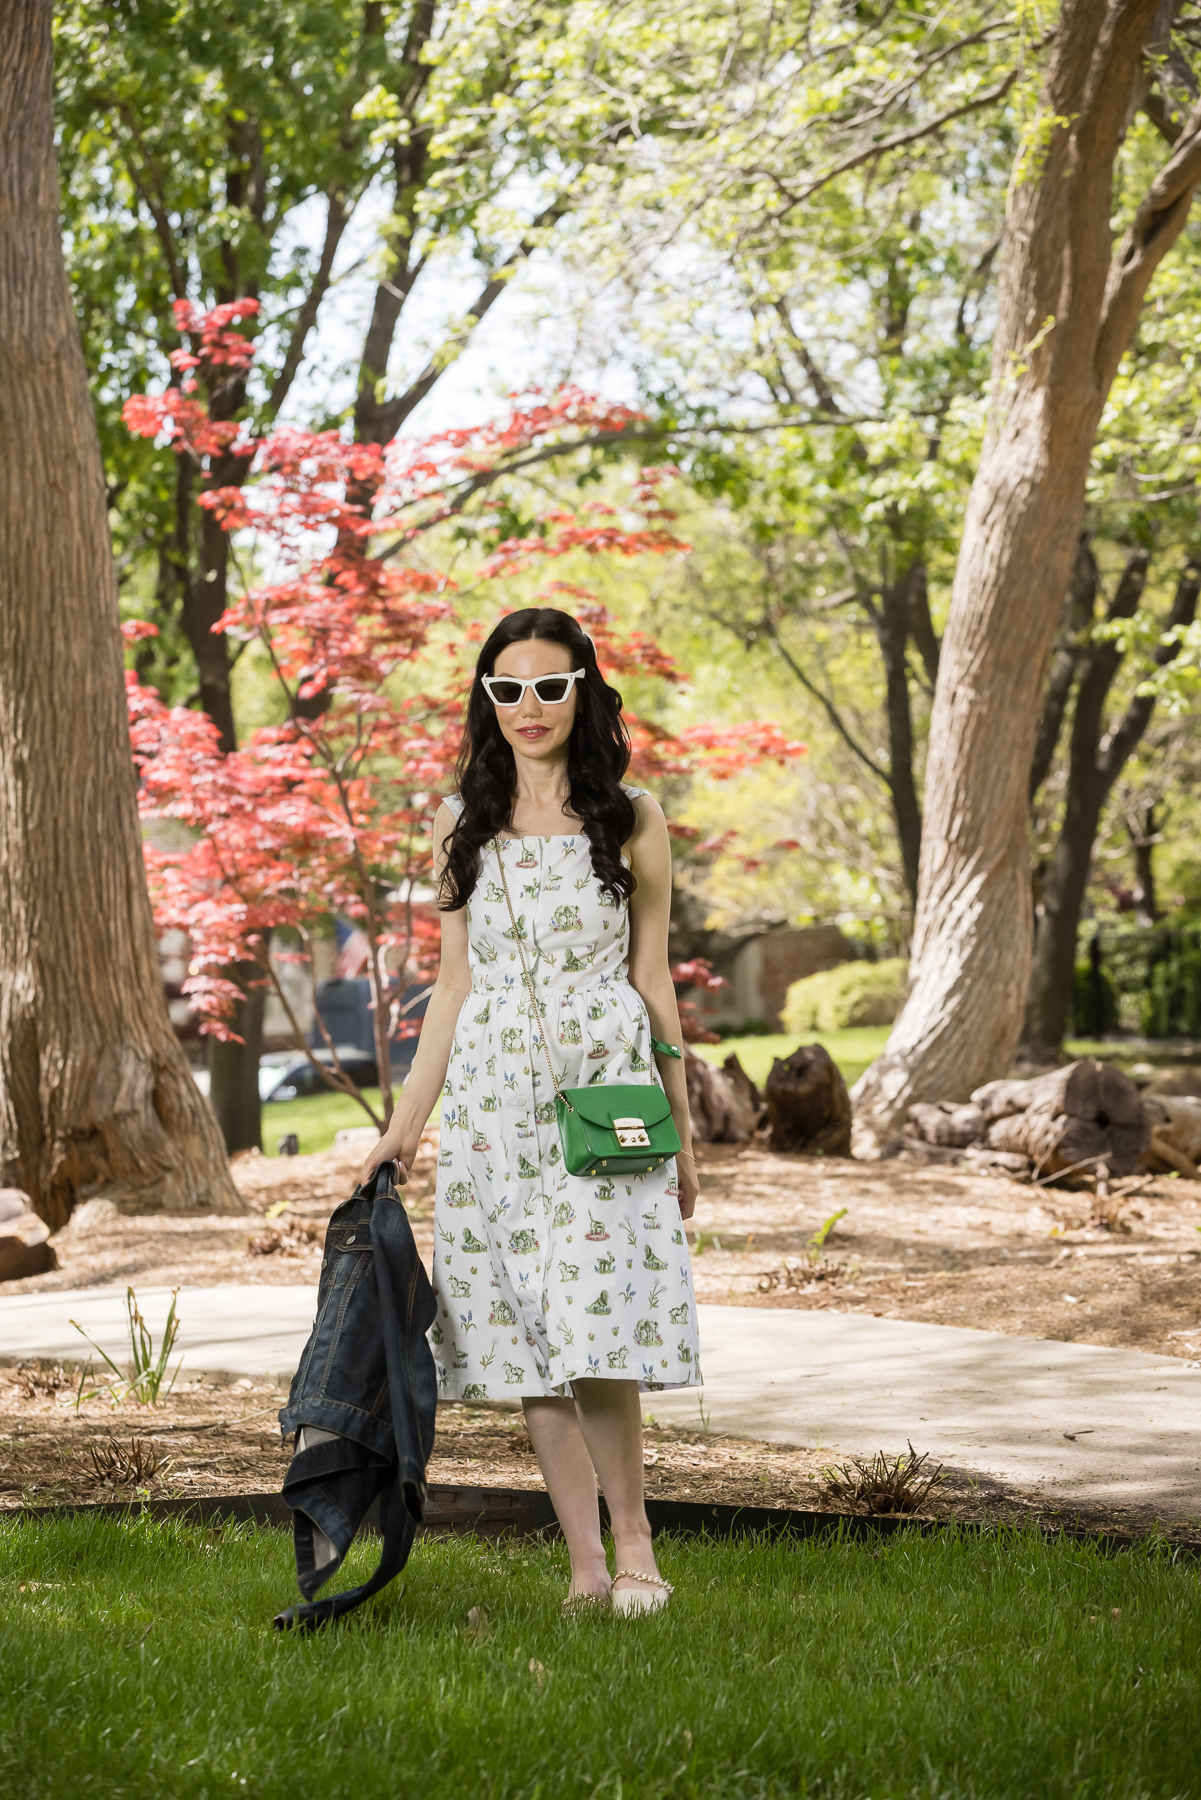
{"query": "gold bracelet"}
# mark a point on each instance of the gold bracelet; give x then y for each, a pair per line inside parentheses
(687, 1153)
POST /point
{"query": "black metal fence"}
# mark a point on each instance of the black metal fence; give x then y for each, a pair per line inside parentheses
(1145, 983)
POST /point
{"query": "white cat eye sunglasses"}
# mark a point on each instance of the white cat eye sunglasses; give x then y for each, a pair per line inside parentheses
(549, 690)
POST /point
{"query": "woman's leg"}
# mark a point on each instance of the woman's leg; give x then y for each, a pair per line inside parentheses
(570, 1479)
(610, 1417)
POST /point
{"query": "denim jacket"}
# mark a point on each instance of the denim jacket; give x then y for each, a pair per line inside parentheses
(367, 1382)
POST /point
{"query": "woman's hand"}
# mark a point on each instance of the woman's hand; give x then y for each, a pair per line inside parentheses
(395, 1146)
(690, 1187)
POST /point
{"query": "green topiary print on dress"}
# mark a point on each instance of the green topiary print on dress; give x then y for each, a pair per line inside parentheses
(562, 1266)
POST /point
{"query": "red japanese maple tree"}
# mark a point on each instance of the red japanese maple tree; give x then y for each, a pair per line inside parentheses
(330, 812)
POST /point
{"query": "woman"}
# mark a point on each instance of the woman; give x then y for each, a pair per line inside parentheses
(571, 1291)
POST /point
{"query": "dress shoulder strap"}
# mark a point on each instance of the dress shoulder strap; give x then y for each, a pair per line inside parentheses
(634, 793)
(455, 804)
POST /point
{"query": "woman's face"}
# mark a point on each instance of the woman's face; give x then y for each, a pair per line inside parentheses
(537, 731)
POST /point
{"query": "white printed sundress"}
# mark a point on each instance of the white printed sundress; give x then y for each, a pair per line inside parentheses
(542, 1276)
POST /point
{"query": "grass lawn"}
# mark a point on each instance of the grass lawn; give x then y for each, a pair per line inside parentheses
(851, 1050)
(139, 1659)
(314, 1119)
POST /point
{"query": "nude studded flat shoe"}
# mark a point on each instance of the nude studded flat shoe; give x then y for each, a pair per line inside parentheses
(575, 1604)
(654, 1594)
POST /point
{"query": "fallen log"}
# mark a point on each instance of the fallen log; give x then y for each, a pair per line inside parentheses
(1087, 1115)
(1175, 1119)
(808, 1107)
(997, 1099)
(947, 1123)
(1162, 1155)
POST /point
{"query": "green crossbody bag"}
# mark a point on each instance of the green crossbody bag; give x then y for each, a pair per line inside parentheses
(612, 1127)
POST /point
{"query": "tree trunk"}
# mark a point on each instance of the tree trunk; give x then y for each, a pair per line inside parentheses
(1144, 837)
(1093, 768)
(96, 1098)
(234, 1068)
(204, 601)
(1078, 615)
(892, 631)
(1065, 315)
(1053, 969)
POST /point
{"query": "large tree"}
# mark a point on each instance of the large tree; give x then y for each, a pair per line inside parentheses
(213, 155)
(1067, 310)
(96, 1098)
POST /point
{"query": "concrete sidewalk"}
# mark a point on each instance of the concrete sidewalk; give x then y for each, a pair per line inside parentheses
(1064, 1422)
(234, 1330)
(1068, 1422)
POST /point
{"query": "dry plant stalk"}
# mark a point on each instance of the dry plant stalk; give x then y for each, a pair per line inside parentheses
(882, 1484)
(117, 1466)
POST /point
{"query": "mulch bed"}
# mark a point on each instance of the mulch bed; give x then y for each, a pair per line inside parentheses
(223, 1440)
(942, 1245)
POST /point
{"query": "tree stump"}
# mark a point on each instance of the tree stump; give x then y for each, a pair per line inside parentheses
(808, 1106)
(724, 1104)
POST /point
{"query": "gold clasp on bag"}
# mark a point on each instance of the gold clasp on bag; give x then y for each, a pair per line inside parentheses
(631, 1133)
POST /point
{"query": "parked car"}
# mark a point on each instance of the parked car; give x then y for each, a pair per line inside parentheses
(290, 1076)
(344, 1004)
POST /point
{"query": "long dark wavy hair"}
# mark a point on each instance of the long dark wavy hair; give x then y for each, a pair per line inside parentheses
(598, 755)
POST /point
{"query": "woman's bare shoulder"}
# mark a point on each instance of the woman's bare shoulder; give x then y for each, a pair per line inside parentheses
(647, 811)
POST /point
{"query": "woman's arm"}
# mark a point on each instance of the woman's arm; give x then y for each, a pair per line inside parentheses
(428, 1073)
(649, 851)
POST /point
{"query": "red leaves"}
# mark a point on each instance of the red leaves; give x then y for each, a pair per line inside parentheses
(732, 749)
(697, 973)
(220, 348)
(185, 423)
(331, 811)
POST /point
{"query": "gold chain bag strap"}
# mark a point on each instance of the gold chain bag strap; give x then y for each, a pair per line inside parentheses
(608, 1127)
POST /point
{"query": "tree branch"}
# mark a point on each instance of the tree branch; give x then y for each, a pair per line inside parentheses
(482, 479)
(831, 711)
(898, 142)
(393, 413)
(1157, 224)
(336, 220)
(1120, 743)
(921, 625)
(156, 201)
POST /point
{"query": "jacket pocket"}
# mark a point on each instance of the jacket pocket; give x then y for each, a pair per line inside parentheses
(345, 1244)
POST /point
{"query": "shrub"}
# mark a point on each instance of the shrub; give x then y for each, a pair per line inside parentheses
(855, 993)
(1095, 1007)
